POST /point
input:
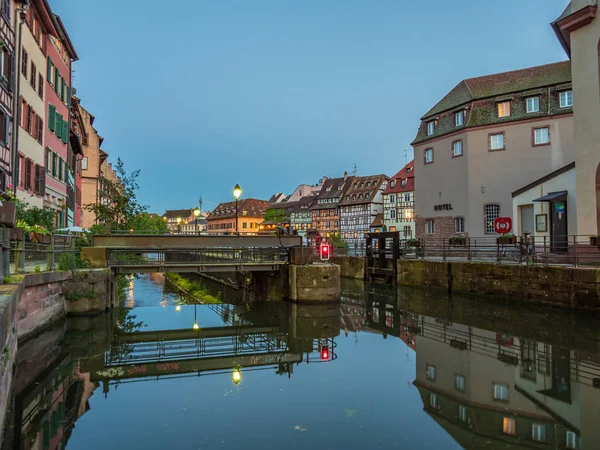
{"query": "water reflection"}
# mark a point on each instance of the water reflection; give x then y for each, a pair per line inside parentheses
(465, 373)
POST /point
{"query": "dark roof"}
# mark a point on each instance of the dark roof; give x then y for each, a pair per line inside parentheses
(406, 173)
(363, 190)
(502, 83)
(275, 197)
(64, 36)
(333, 188)
(377, 221)
(303, 204)
(544, 179)
(175, 213)
(251, 206)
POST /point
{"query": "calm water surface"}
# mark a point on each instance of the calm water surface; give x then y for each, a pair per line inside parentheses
(385, 369)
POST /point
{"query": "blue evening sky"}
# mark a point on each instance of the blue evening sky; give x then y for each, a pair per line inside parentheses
(203, 94)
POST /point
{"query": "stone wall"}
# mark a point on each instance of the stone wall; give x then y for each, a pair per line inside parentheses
(350, 266)
(562, 286)
(314, 283)
(88, 291)
(8, 346)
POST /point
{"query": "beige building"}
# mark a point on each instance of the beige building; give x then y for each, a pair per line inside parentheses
(486, 138)
(578, 30)
(94, 167)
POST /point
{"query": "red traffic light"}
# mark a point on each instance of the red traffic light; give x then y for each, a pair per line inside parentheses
(324, 251)
(324, 352)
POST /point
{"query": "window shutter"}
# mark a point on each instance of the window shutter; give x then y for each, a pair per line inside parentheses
(58, 125)
(54, 156)
(69, 96)
(56, 78)
(42, 191)
(60, 169)
(27, 174)
(51, 117)
(36, 183)
(65, 132)
(62, 89)
(49, 70)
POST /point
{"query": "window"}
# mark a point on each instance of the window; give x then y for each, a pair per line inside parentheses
(508, 426)
(500, 392)
(533, 104)
(28, 166)
(459, 224)
(392, 229)
(430, 372)
(457, 149)
(541, 136)
(407, 196)
(433, 400)
(503, 109)
(430, 128)
(60, 169)
(407, 231)
(566, 99)
(6, 9)
(460, 383)
(491, 211)
(497, 141)
(428, 155)
(430, 224)
(4, 127)
(33, 77)
(54, 158)
(462, 413)
(41, 86)
(332, 212)
(538, 432)
(392, 199)
(404, 182)
(6, 65)
(24, 62)
(393, 213)
(20, 169)
(84, 163)
(244, 224)
(573, 440)
(459, 118)
(393, 183)
(28, 122)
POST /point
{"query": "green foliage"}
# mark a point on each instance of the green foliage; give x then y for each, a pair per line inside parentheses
(70, 261)
(32, 218)
(72, 296)
(276, 215)
(338, 242)
(191, 288)
(145, 222)
(37, 269)
(119, 204)
(412, 243)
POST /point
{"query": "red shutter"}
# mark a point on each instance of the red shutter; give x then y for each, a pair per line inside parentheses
(27, 174)
(42, 190)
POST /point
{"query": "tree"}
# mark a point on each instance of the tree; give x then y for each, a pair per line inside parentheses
(149, 223)
(118, 204)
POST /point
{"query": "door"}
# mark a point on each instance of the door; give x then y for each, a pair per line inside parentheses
(558, 233)
(527, 219)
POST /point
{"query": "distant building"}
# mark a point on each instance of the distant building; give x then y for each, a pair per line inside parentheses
(304, 190)
(325, 209)
(361, 203)
(486, 138)
(184, 221)
(399, 202)
(301, 216)
(251, 214)
(278, 197)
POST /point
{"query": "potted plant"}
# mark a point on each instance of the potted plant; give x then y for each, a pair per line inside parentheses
(507, 239)
(457, 241)
(413, 243)
(595, 240)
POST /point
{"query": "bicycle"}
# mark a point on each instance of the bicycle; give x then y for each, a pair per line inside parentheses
(515, 253)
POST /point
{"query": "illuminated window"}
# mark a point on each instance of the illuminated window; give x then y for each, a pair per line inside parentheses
(392, 228)
(533, 104)
(508, 426)
(538, 432)
(503, 109)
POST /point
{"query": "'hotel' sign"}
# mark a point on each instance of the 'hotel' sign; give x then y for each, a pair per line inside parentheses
(446, 207)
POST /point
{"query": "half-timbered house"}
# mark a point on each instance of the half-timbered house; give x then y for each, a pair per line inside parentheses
(325, 214)
(399, 202)
(7, 86)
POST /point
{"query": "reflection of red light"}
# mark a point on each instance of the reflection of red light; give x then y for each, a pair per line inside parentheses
(325, 353)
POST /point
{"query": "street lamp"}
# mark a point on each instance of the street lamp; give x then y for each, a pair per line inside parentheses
(237, 191)
(179, 225)
(196, 214)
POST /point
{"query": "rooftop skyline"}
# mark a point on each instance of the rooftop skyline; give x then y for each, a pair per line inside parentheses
(271, 95)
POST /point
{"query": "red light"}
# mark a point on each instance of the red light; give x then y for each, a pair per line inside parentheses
(324, 353)
(325, 249)
(324, 252)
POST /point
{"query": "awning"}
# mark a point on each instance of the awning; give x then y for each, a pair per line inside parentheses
(560, 195)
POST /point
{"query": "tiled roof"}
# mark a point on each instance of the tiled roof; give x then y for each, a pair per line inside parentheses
(303, 204)
(252, 207)
(175, 213)
(333, 188)
(503, 83)
(406, 173)
(377, 221)
(363, 190)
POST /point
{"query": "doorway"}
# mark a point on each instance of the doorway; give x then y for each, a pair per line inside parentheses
(527, 219)
(558, 226)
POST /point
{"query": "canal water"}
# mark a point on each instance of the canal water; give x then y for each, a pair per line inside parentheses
(385, 368)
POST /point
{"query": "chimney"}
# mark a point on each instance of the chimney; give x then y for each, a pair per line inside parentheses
(345, 175)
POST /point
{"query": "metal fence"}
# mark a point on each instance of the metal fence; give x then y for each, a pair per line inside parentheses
(572, 250)
(28, 256)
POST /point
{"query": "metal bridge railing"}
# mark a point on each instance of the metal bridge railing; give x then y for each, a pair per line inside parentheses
(196, 256)
(28, 256)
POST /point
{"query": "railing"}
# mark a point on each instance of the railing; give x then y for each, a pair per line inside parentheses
(27, 256)
(197, 256)
(572, 250)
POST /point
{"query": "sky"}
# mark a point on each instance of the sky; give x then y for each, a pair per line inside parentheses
(203, 94)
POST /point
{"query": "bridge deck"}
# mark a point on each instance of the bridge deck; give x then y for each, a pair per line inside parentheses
(175, 335)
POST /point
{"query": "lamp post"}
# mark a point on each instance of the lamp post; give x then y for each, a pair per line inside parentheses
(237, 191)
(178, 225)
(196, 214)
(195, 326)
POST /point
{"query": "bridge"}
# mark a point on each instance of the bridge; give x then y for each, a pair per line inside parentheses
(132, 253)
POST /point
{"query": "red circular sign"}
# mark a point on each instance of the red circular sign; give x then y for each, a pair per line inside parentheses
(503, 225)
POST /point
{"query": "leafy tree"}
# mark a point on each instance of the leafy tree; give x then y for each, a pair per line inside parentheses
(148, 222)
(119, 204)
(276, 214)
(32, 215)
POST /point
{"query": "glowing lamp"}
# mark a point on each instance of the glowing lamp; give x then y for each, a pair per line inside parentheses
(236, 376)
(237, 191)
(324, 352)
(325, 251)
(196, 326)
(178, 308)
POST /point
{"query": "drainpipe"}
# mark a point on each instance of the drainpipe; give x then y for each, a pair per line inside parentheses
(20, 13)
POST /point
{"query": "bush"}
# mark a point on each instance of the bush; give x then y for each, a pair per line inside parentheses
(70, 261)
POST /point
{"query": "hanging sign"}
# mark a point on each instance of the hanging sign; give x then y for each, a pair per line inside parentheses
(502, 225)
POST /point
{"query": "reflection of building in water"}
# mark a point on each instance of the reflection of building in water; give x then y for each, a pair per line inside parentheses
(490, 390)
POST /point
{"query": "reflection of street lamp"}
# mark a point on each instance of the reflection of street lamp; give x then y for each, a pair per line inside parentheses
(237, 191)
(195, 326)
(196, 214)
(179, 225)
(178, 308)
(236, 376)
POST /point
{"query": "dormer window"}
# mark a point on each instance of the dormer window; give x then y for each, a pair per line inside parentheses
(430, 128)
(459, 118)
(404, 182)
(503, 109)
(409, 170)
(393, 183)
(367, 195)
(360, 196)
